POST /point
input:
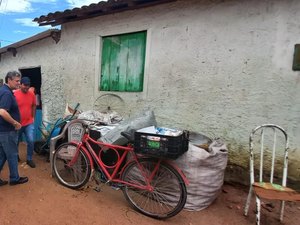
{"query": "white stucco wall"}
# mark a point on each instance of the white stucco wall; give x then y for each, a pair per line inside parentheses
(216, 67)
(46, 55)
(220, 68)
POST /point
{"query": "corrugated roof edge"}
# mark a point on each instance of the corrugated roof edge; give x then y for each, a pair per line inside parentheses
(54, 33)
(94, 10)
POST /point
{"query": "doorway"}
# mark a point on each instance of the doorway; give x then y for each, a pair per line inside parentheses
(34, 74)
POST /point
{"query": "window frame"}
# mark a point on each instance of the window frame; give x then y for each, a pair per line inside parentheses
(125, 83)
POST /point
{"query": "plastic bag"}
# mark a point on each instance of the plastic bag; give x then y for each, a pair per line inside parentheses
(141, 120)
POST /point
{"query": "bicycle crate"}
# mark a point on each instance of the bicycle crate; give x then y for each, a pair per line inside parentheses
(161, 146)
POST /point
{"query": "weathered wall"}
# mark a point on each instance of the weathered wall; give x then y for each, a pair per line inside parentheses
(217, 67)
(47, 55)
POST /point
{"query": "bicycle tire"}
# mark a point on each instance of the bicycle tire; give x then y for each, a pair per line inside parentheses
(169, 191)
(72, 177)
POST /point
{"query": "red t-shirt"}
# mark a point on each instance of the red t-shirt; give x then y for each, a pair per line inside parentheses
(25, 102)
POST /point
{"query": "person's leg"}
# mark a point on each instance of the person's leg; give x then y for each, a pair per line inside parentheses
(20, 133)
(2, 161)
(10, 147)
(3, 137)
(29, 134)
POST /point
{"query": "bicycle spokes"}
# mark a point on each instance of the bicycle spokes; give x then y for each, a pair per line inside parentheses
(167, 195)
(71, 166)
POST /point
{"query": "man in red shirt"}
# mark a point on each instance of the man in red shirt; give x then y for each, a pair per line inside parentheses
(27, 106)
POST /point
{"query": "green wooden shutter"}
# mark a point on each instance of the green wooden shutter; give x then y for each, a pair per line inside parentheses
(123, 61)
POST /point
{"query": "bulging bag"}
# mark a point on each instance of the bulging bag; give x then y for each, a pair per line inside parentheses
(205, 171)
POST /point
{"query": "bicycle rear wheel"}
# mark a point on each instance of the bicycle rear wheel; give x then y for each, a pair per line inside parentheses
(76, 175)
(169, 191)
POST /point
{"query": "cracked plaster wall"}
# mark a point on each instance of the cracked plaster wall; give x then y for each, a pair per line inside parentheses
(46, 55)
(217, 67)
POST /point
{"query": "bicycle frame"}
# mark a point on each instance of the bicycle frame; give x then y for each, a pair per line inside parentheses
(155, 187)
(111, 176)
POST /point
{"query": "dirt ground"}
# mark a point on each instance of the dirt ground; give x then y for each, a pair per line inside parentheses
(42, 201)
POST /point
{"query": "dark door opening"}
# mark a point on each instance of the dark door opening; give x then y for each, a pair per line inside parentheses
(35, 77)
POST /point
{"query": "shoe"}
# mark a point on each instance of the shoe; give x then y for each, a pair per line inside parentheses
(3, 182)
(21, 180)
(30, 163)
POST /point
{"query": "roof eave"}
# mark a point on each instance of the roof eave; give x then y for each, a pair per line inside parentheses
(95, 10)
(54, 33)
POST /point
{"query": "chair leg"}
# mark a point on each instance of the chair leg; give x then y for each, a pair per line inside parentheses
(258, 206)
(282, 210)
(248, 201)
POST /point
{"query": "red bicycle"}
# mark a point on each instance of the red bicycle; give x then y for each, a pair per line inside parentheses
(153, 186)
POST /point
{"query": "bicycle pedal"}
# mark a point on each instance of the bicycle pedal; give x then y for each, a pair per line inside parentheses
(115, 187)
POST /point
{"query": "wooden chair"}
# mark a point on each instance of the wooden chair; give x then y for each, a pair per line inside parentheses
(265, 184)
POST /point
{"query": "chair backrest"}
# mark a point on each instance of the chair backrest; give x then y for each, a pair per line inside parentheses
(273, 142)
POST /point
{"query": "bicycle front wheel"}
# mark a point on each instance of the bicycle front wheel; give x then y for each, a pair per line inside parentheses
(76, 174)
(169, 193)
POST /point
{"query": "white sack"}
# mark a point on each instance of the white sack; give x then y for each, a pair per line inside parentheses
(205, 172)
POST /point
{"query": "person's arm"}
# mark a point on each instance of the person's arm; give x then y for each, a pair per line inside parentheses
(6, 116)
(33, 107)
